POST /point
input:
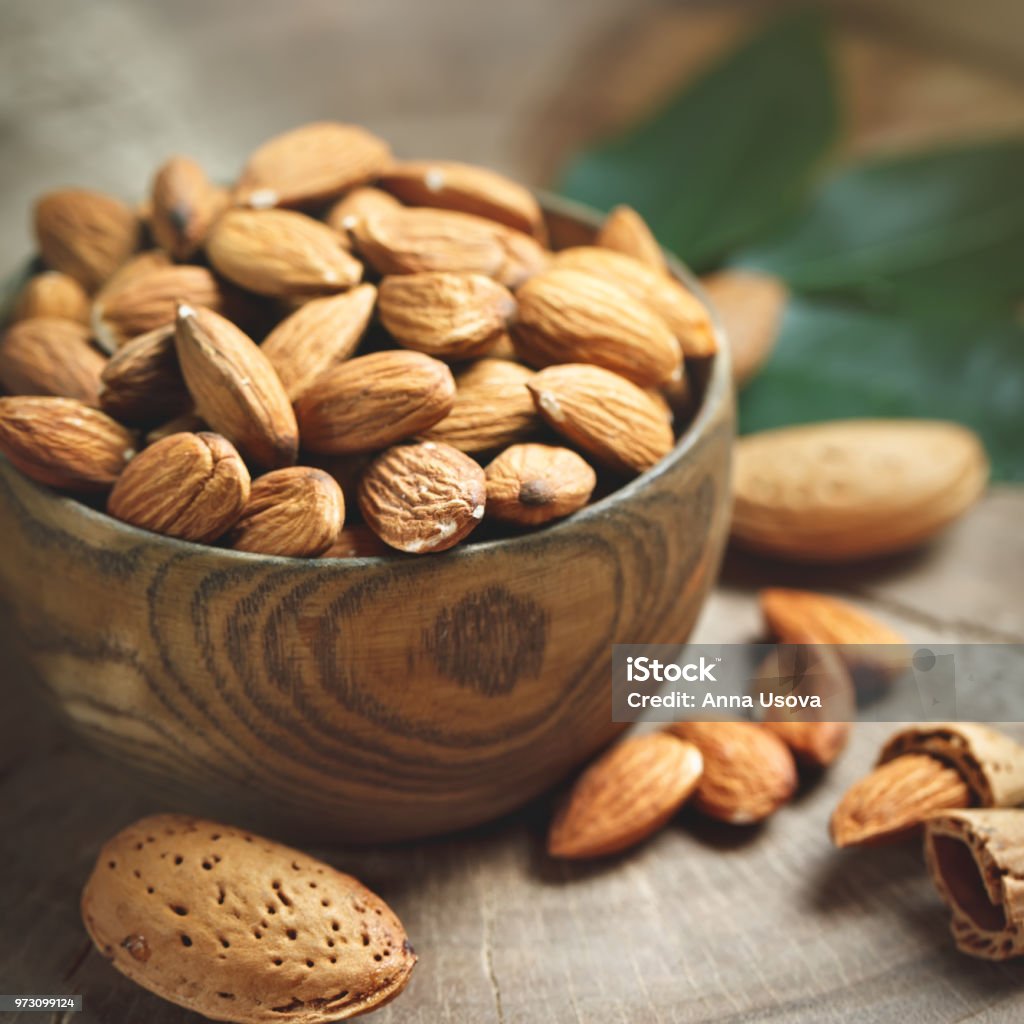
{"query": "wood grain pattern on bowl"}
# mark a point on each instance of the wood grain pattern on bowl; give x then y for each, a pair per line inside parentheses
(365, 698)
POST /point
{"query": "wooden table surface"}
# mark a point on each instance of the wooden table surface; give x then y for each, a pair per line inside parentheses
(704, 923)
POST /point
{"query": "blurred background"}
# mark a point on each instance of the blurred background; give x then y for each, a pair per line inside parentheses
(98, 93)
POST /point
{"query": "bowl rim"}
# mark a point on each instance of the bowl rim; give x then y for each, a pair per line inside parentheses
(717, 391)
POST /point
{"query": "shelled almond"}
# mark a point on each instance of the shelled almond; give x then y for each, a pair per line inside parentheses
(338, 322)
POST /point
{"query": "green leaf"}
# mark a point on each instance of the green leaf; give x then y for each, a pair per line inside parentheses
(938, 233)
(834, 362)
(724, 161)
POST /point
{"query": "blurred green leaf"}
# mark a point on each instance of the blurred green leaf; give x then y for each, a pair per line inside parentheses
(725, 161)
(939, 233)
(834, 362)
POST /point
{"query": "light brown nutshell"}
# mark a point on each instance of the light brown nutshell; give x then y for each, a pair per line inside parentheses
(191, 486)
(295, 512)
(425, 497)
(532, 484)
(238, 928)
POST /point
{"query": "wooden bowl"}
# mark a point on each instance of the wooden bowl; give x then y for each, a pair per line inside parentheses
(370, 698)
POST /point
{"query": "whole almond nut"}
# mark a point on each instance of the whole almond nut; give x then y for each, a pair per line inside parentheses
(185, 204)
(530, 484)
(568, 316)
(281, 254)
(814, 744)
(52, 294)
(604, 414)
(63, 443)
(180, 906)
(488, 414)
(625, 231)
(47, 356)
(851, 489)
(421, 498)
(311, 164)
(85, 234)
(145, 301)
(492, 370)
(296, 512)
(748, 773)
(235, 388)
(373, 401)
(320, 334)
(446, 315)
(352, 209)
(191, 486)
(891, 803)
(625, 796)
(468, 189)
(686, 316)
(413, 241)
(750, 306)
(142, 382)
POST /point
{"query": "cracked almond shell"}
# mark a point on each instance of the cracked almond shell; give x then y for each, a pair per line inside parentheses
(238, 928)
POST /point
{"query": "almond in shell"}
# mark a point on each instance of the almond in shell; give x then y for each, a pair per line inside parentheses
(421, 498)
(852, 489)
(319, 335)
(85, 234)
(47, 356)
(185, 204)
(235, 927)
(625, 796)
(142, 382)
(530, 484)
(570, 316)
(295, 512)
(191, 486)
(467, 188)
(63, 443)
(748, 772)
(281, 254)
(311, 164)
(447, 315)
(604, 414)
(625, 231)
(235, 388)
(52, 294)
(373, 401)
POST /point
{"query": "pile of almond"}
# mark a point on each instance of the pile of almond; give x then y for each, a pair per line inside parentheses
(340, 331)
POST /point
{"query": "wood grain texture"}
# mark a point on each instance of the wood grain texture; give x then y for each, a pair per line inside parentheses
(364, 698)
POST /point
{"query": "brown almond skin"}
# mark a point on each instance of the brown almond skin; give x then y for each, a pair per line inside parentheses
(748, 772)
(890, 804)
(190, 486)
(47, 356)
(179, 905)
(85, 234)
(531, 484)
(311, 164)
(814, 744)
(421, 498)
(625, 231)
(281, 254)
(686, 316)
(52, 293)
(146, 300)
(625, 796)
(568, 316)
(63, 443)
(446, 315)
(142, 382)
(357, 541)
(296, 512)
(373, 401)
(319, 335)
(606, 415)
(185, 204)
(235, 388)
(467, 188)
